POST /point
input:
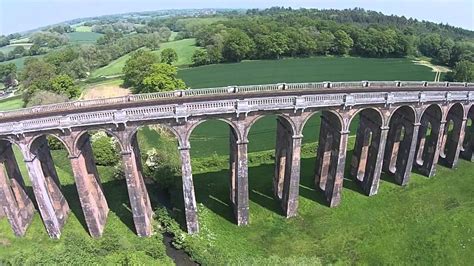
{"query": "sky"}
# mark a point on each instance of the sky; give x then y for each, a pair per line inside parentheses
(22, 15)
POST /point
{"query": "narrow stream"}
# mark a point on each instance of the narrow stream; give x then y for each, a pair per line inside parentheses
(177, 255)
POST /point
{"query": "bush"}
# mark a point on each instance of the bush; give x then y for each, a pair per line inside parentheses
(104, 149)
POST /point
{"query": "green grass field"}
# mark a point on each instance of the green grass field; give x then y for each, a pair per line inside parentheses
(184, 48)
(288, 70)
(304, 70)
(83, 37)
(12, 103)
(20, 62)
(118, 245)
(429, 222)
(9, 48)
(83, 28)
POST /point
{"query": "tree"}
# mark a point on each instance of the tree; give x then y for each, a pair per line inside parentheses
(273, 45)
(46, 97)
(237, 46)
(464, 71)
(137, 67)
(162, 77)
(2, 56)
(342, 42)
(104, 149)
(19, 50)
(64, 85)
(168, 56)
(200, 57)
(324, 42)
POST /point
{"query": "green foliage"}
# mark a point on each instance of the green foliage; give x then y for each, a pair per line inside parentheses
(342, 42)
(41, 97)
(64, 85)
(105, 150)
(37, 76)
(464, 71)
(168, 56)
(161, 77)
(137, 67)
(200, 58)
(237, 46)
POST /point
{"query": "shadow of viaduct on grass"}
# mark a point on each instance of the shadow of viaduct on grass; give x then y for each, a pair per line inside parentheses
(211, 190)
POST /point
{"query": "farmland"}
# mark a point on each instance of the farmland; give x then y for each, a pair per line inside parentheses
(288, 70)
(184, 48)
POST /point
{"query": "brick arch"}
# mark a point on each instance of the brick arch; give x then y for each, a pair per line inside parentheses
(336, 114)
(109, 132)
(383, 119)
(65, 143)
(288, 120)
(436, 107)
(415, 116)
(199, 122)
(134, 130)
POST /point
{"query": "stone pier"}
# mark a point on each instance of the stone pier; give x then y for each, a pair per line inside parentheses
(402, 124)
(91, 195)
(367, 159)
(401, 145)
(239, 188)
(137, 192)
(52, 205)
(287, 167)
(14, 201)
(331, 158)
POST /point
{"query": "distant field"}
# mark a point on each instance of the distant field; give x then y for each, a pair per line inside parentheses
(8, 48)
(304, 70)
(20, 62)
(262, 135)
(185, 49)
(22, 40)
(83, 28)
(83, 37)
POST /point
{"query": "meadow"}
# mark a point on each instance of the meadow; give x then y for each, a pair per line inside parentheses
(427, 222)
(184, 48)
(287, 70)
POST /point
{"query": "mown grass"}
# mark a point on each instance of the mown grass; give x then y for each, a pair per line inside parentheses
(118, 245)
(428, 222)
(12, 103)
(184, 48)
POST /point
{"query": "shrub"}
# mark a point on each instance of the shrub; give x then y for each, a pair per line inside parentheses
(104, 149)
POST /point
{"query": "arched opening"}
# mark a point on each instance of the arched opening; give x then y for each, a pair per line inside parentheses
(216, 174)
(365, 162)
(400, 145)
(427, 148)
(325, 130)
(468, 144)
(16, 196)
(452, 136)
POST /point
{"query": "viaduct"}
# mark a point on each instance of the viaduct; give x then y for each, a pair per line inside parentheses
(401, 125)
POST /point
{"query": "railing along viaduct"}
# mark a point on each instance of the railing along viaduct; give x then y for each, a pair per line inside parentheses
(401, 124)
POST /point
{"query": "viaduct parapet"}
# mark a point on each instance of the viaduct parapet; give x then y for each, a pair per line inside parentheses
(401, 125)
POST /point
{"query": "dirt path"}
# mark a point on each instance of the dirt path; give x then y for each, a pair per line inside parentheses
(434, 68)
